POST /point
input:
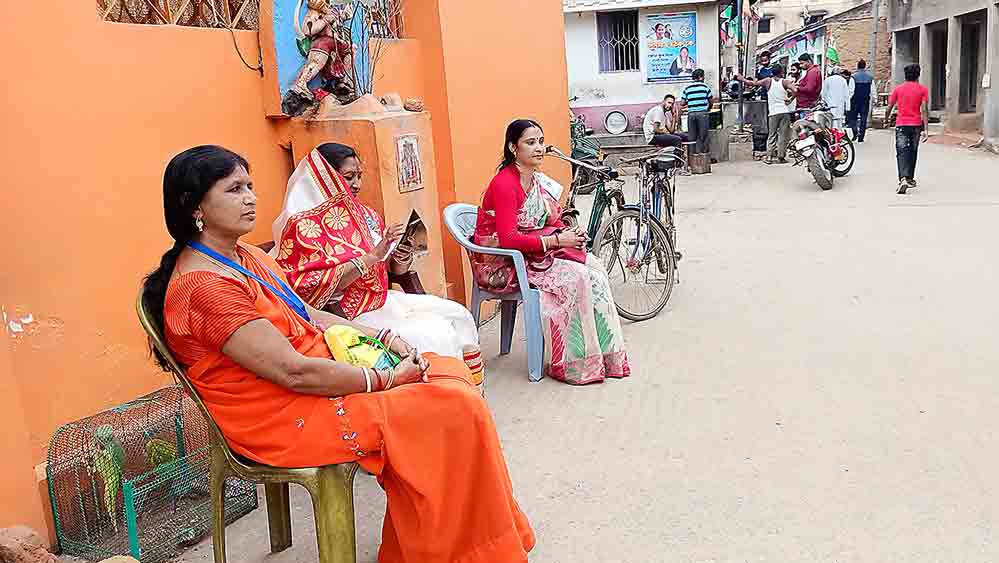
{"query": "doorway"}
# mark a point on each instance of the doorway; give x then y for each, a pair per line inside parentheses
(938, 87)
(971, 59)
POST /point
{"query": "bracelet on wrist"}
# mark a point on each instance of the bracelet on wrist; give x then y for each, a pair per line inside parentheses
(367, 379)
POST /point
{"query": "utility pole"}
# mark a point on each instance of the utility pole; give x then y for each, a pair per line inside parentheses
(741, 46)
(875, 16)
(872, 63)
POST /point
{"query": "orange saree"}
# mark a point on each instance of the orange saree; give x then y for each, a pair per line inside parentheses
(433, 446)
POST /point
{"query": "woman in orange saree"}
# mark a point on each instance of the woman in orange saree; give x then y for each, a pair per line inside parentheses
(257, 357)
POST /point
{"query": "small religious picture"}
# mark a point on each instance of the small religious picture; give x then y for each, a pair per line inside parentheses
(410, 167)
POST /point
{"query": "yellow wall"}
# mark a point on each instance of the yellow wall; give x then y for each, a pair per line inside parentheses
(92, 113)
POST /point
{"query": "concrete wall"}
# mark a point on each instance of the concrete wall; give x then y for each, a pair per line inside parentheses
(600, 92)
(921, 12)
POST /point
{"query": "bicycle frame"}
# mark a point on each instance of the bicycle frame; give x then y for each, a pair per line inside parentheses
(653, 188)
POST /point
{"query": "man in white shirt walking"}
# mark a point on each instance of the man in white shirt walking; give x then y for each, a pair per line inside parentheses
(836, 95)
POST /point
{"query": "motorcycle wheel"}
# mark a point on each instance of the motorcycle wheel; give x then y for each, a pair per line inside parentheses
(843, 167)
(823, 176)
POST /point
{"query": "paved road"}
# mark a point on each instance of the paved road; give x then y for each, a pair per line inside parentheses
(823, 386)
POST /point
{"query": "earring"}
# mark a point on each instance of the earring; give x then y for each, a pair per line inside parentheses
(200, 224)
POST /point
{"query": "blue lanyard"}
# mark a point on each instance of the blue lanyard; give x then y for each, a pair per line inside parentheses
(285, 293)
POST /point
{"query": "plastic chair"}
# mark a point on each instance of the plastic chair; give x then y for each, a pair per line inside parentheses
(460, 219)
(331, 486)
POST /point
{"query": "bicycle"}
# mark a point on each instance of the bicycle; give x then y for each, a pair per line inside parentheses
(607, 191)
(646, 233)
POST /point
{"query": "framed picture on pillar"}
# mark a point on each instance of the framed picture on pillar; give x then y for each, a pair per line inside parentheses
(407, 154)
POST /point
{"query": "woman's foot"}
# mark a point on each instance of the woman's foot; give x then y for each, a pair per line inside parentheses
(472, 355)
(903, 185)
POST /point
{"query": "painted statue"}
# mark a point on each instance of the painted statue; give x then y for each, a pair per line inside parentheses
(326, 43)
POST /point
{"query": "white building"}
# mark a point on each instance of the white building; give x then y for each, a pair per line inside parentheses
(625, 55)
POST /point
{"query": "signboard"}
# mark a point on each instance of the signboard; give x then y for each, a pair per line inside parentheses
(671, 47)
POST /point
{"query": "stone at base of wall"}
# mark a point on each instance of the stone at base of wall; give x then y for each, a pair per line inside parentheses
(21, 544)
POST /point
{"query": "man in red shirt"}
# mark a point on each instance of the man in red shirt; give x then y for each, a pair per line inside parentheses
(810, 85)
(912, 100)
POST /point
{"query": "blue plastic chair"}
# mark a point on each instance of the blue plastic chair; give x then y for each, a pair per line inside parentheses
(460, 220)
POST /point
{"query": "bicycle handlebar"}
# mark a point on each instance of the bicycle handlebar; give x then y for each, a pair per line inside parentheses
(607, 171)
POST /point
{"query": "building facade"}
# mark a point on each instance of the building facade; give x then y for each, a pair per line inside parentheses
(625, 55)
(956, 42)
(778, 17)
(845, 36)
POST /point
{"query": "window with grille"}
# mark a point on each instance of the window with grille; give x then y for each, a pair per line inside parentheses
(617, 41)
(236, 14)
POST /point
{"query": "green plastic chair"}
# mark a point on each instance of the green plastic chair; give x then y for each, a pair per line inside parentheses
(331, 486)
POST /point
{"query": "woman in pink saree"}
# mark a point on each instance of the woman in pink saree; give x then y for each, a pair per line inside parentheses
(520, 210)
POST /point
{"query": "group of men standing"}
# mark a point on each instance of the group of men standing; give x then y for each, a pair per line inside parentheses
(849, 98)
(791, 92)
(663, 125)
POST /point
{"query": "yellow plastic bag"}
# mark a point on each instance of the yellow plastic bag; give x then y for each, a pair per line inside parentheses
(351, 346)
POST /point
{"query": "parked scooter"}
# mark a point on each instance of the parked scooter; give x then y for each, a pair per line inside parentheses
(826, 150)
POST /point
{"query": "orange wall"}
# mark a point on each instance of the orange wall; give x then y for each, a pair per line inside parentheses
(504, 61)
(94, 112)
(486, 64)
(91, 116)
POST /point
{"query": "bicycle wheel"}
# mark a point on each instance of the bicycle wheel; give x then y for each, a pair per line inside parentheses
(640, 263)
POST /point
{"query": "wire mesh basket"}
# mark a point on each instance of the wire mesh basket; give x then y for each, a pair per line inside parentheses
(134, 480)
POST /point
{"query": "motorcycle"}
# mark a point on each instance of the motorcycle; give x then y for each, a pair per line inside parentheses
(825, 149)
(584, 149)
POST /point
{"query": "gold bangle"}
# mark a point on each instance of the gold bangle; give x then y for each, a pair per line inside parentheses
(362, 268)
(391, 380)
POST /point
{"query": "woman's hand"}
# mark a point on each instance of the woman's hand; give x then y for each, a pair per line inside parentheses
(392, 234)
(401, 348)
(403, 253)
(401, 259)
(410, 370)
(573, 238)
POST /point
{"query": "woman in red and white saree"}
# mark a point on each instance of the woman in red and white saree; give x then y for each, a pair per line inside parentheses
(336, 249)
(583, 338)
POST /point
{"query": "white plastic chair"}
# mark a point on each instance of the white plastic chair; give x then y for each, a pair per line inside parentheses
(460, 219)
